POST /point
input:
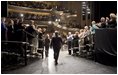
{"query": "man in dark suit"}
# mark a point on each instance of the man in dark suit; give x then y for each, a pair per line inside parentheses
(56, 43)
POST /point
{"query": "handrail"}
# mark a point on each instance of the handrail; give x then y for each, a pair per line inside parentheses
(27, 33)
(31, 35)
(15, 42)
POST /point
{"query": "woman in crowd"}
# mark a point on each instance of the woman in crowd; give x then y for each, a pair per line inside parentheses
(81, 36)
(86, 37)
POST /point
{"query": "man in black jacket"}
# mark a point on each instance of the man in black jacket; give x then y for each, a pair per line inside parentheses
(56, 43)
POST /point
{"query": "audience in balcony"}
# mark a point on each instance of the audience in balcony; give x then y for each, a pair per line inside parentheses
(30, 4)
(39, 5)
(30, 16)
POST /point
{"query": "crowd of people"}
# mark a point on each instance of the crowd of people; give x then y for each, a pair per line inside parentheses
(14, 30)
(30, 4)
(86, 36)
(70, 24)
(30, 16)
(38, 5)
(107, 22)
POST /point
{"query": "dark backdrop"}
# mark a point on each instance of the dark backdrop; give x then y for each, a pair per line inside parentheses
(106, 46)
(104, 8)
(3, 8)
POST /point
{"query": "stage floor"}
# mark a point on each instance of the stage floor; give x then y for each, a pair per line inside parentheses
(68, 64)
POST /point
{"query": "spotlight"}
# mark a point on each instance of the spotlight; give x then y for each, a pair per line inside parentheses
(88, 12)
(56, 20)
(59, 20)
(75, 15)
(21, 15)
(49, 22)
(61, 13)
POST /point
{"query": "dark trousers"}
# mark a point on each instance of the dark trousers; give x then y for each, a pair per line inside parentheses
(46, 50)
(69, 47)
(56, 54)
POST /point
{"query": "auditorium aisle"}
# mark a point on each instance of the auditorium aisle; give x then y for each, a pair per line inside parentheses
(67, 65)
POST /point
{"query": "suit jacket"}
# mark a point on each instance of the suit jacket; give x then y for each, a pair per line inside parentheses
(56, 43)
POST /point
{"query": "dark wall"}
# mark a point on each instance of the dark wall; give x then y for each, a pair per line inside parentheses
(3, 8)
(104, 8)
